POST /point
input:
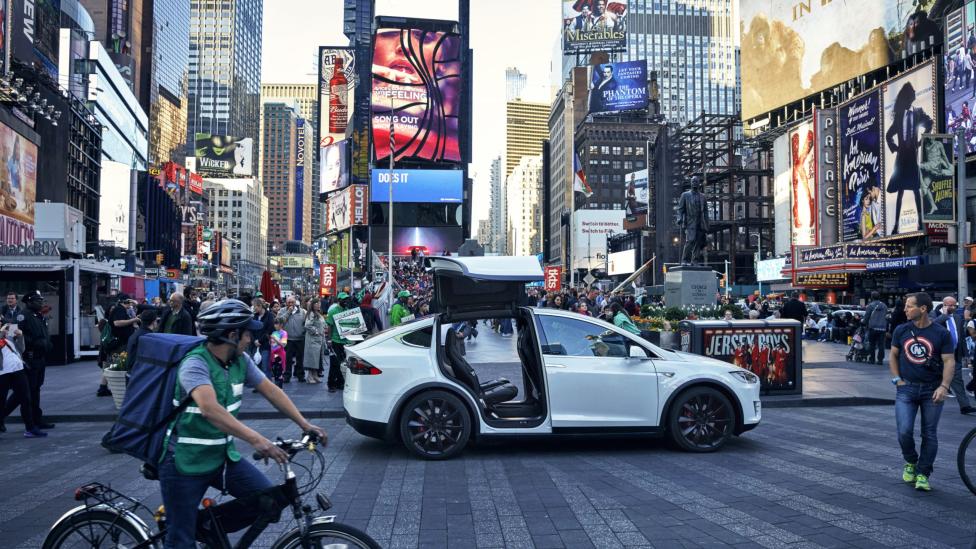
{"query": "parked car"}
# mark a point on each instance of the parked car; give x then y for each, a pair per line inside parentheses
(581, 375)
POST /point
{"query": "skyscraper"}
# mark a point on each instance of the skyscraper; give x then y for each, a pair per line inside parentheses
(165, 77)
(279, 149)
(524, 191)
(526, 127)
(119, 27)
(514, 83)
(497, 214)
(225, 68)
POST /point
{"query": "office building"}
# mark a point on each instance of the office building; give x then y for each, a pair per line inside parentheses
(609, 149)
(526, 127)
(496, 213)
(306, 95)
(119, 27)
(125, 133)
(561, 125)
(165, 77)
(279, 148)
(514, 84)
(225, 69)
(484, 233)
(524, 190)
(237, 208)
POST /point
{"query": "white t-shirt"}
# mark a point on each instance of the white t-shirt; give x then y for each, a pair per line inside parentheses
(11, 361)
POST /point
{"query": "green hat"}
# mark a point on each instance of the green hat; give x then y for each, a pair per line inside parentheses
(404, 293)
(342, 295)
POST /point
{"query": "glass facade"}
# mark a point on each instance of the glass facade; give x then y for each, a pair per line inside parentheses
(225, 68)
(125, 137)
(168, 103)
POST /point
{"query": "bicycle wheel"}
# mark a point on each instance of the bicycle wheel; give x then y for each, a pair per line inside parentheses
(966, 461)
(96, 528)
(328, 535)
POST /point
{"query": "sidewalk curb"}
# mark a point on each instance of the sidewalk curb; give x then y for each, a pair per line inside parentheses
(826, 402)
(109, 418)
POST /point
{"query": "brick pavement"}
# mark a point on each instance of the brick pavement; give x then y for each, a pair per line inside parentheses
(807, 477)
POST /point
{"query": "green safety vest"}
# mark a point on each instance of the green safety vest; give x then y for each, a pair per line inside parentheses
(397, 312)
(202, 448)
(333, 329)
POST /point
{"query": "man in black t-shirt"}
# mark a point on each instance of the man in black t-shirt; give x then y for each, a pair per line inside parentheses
(922, 362)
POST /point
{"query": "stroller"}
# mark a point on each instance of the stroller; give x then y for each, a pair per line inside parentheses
(860, 350)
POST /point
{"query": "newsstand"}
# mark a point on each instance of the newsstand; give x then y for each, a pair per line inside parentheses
(771, 349)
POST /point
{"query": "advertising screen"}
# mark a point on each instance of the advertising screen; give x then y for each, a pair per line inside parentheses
(621, 263)
(960, 56)
(443, 186)
(35, 33)
(791, 50)
(803, 185)
(909, 112)
(113, 211)
(417, 82)
(346, 207)
(594, 25)
(861, 208)
(636, 199)
(333, 171)
(770, 353)
(590, 236)
(223, 155)
(226, 253)
(782, 218)
(616, 87)
(18, 187)
(336, 94)
(938, 179)
(432, 240)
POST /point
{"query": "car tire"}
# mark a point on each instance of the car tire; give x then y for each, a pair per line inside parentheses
(701, 419)
(435, 425)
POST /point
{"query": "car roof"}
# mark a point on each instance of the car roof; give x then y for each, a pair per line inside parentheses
(500, 268)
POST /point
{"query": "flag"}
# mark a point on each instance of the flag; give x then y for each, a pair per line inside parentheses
(579, 180)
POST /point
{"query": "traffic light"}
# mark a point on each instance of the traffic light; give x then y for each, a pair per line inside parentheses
(159, 258)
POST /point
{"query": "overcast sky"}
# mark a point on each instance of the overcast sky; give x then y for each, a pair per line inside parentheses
(519, 33)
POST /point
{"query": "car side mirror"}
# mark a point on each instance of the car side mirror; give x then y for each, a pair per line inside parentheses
(636, 351)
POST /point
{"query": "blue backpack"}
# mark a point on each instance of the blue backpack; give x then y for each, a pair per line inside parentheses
(140, 428)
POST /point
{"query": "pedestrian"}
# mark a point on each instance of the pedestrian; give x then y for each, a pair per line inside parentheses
(370, 314)
(14, 378)
(922, 363)
(37, 345)
(952, 320)
(400, 311)
(315, 329)
(794, 309)
(293, 319)
(147, 325)
(877, 323)
(338, 354)
(262, 340)
(622, 320)
(177, 319)
(11, 313)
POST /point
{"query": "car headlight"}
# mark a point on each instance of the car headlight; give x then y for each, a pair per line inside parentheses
(745, 376)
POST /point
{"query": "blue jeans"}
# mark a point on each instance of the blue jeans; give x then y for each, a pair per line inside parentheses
(266, 362)
(182, 495)
(908, 399)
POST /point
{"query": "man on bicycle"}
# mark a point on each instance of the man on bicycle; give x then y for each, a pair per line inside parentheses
(200, 451)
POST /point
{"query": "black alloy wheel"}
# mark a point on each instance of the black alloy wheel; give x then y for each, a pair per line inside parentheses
(701, 420)
(435, 425)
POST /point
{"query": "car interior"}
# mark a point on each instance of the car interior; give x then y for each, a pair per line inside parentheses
(516, 399)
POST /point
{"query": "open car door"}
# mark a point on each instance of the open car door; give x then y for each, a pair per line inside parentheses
(468, 288)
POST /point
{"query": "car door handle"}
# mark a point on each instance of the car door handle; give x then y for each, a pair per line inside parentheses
(555, 366)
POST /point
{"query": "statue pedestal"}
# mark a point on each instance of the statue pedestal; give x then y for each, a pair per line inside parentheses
(689, 285)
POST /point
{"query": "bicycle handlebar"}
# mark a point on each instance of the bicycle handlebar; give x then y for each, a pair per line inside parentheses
(292, 447)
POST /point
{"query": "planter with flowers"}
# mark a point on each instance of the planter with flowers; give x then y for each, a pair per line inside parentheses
(116, 376)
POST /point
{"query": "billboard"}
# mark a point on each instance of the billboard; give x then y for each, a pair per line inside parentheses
(346, 208)
(938, 178)
(860, 197)
(591, 228)
(791, 50)
(594, 25)
(433, 240)
(35, 33)
(327, 279)
(960, 81)
(113, 210)
(769, 270)
(827, 173)
(416, 91)
(299, 221)
(553, 279)
(636, 199)
(616, 87)
(223, 155)
(803, 185)
(336, 94)
(769, 352)
(621, 263)
(782, 221)
(444, 186)
(18, 187)
(226, 252)
(909, 112)
(334, 169)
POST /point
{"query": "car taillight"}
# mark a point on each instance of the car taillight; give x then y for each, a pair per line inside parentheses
(360, 367)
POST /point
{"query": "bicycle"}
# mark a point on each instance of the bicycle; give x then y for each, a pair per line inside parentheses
(108, 518)
(967, 467)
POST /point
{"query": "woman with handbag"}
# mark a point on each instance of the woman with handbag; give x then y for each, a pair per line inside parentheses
(314, 340)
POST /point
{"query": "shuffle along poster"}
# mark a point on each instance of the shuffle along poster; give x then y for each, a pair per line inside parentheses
(861, 196)
(938, 178)
(770, 353)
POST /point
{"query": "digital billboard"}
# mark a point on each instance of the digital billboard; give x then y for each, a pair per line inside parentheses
(791, 50)
(621, 263)
(223, 155)
(334, 170)
(417, 90)
(346, 208)
(636, 199)
(938, 179)
(591, 228)
(803, 185)
(909, 112)
(960, 80)
(860, 197)
(18, 187)
(336, 94)
(616, 87)
(444, 186)
(35, 33)
(432, 240)
(113, 209)
(594, 25)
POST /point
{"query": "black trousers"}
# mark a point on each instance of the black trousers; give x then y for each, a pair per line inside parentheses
(295, 353)
(336, 380)
(19, 383)
(876, 338)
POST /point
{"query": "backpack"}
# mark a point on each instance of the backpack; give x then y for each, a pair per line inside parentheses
(140, 428)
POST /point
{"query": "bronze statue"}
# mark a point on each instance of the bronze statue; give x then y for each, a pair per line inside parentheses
(693, 220)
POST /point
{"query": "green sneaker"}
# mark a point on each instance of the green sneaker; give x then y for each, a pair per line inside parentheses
(908, 473)
(922, 483)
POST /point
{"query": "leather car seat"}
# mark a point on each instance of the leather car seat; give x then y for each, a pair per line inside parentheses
(492, 392)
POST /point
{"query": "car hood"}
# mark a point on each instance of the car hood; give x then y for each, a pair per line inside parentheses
(712, 364)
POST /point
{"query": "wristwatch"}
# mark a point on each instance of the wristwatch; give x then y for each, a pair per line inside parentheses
(895, 380)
